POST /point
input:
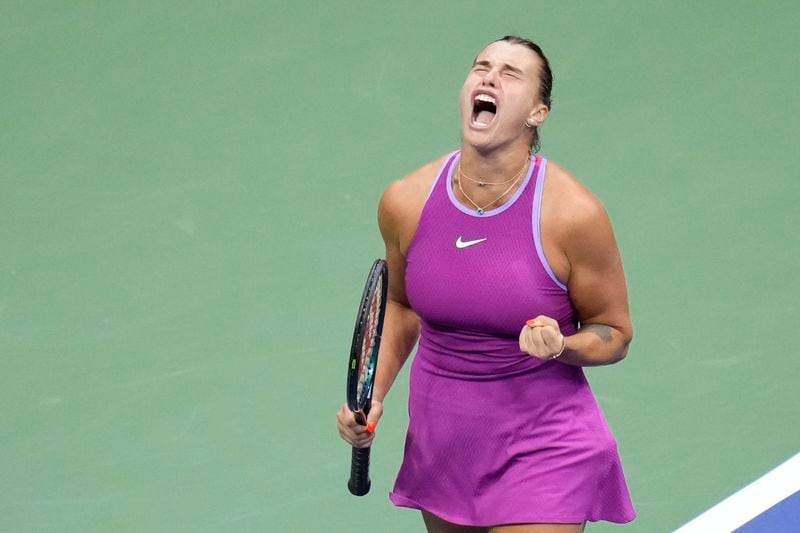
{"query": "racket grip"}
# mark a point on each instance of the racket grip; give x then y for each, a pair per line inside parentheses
(359, 483)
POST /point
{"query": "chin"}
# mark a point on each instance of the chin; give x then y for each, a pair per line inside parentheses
(475, 137)
(482, 141)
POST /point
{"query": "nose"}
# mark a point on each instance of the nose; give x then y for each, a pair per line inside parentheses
(489, 78)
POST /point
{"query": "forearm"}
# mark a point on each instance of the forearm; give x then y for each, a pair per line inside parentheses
(596, 344)
(400, 334)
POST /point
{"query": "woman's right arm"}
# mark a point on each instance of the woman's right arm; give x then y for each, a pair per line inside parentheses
(401, 323)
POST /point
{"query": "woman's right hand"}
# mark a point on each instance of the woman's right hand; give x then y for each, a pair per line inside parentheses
(354, 433)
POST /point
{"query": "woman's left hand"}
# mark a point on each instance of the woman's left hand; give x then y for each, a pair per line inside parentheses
(541, 337)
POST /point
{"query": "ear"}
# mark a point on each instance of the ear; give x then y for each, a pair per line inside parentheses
(537, 116)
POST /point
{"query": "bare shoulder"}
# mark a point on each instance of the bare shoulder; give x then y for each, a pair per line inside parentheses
(579, 228)
(402, 201)
(570, 204)
(413, 187)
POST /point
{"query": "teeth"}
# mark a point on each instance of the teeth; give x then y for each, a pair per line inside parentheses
(485, 98)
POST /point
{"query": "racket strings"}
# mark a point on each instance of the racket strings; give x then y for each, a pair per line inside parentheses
(366, 367)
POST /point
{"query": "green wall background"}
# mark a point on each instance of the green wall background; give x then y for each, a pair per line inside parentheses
(187, 212)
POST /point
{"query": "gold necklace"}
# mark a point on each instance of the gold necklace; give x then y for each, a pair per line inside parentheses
(482, 183)
(482, 209)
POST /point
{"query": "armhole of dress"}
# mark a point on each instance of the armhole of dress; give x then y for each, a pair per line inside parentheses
(537, 224)
(447, 162)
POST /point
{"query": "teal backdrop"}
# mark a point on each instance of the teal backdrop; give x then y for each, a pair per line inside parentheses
(187, 212)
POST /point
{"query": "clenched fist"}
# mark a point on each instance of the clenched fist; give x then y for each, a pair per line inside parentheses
(541, 337)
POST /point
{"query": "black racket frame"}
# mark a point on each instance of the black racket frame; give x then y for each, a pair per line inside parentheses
(359, 483)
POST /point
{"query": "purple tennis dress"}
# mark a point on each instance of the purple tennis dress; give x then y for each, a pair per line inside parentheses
(496, 436)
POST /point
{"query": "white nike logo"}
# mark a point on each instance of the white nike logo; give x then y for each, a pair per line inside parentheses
(463, 244)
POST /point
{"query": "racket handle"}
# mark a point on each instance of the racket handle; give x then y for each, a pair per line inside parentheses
(359, 483)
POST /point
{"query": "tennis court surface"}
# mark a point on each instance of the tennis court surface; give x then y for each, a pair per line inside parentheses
(187, 209)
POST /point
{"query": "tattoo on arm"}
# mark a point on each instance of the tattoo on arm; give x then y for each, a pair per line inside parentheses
(604, 332)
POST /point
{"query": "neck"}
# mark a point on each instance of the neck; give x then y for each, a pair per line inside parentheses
(495, 164)
(504, 168)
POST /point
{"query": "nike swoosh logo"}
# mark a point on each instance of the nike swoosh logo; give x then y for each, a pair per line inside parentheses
(464, 244)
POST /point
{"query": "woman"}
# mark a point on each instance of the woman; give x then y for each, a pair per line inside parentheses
(506, 269)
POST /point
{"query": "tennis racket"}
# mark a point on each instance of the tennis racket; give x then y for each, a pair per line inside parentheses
(362, 365)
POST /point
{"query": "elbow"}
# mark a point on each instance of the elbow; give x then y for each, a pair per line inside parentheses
(624, 339)
(619, 356)
(622, 353)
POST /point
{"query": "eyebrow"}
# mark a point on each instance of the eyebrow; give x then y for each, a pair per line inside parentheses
(506, 66)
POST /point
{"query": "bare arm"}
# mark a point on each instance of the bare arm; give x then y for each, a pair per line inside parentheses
(596, 287)
(396, 218)
(581, 249)
(401, 325)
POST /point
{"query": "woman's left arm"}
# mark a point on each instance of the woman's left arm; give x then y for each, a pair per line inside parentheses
(597, 289)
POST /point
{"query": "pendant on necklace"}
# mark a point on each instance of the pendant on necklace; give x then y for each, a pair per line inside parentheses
(480, 211)
(481, 184)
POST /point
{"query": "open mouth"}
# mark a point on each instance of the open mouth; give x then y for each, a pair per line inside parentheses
(484, 109)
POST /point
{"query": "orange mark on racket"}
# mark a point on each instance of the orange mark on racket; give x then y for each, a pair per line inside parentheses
(371, 427)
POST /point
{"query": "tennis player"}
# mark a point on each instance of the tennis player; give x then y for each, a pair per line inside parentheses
(506, 269)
